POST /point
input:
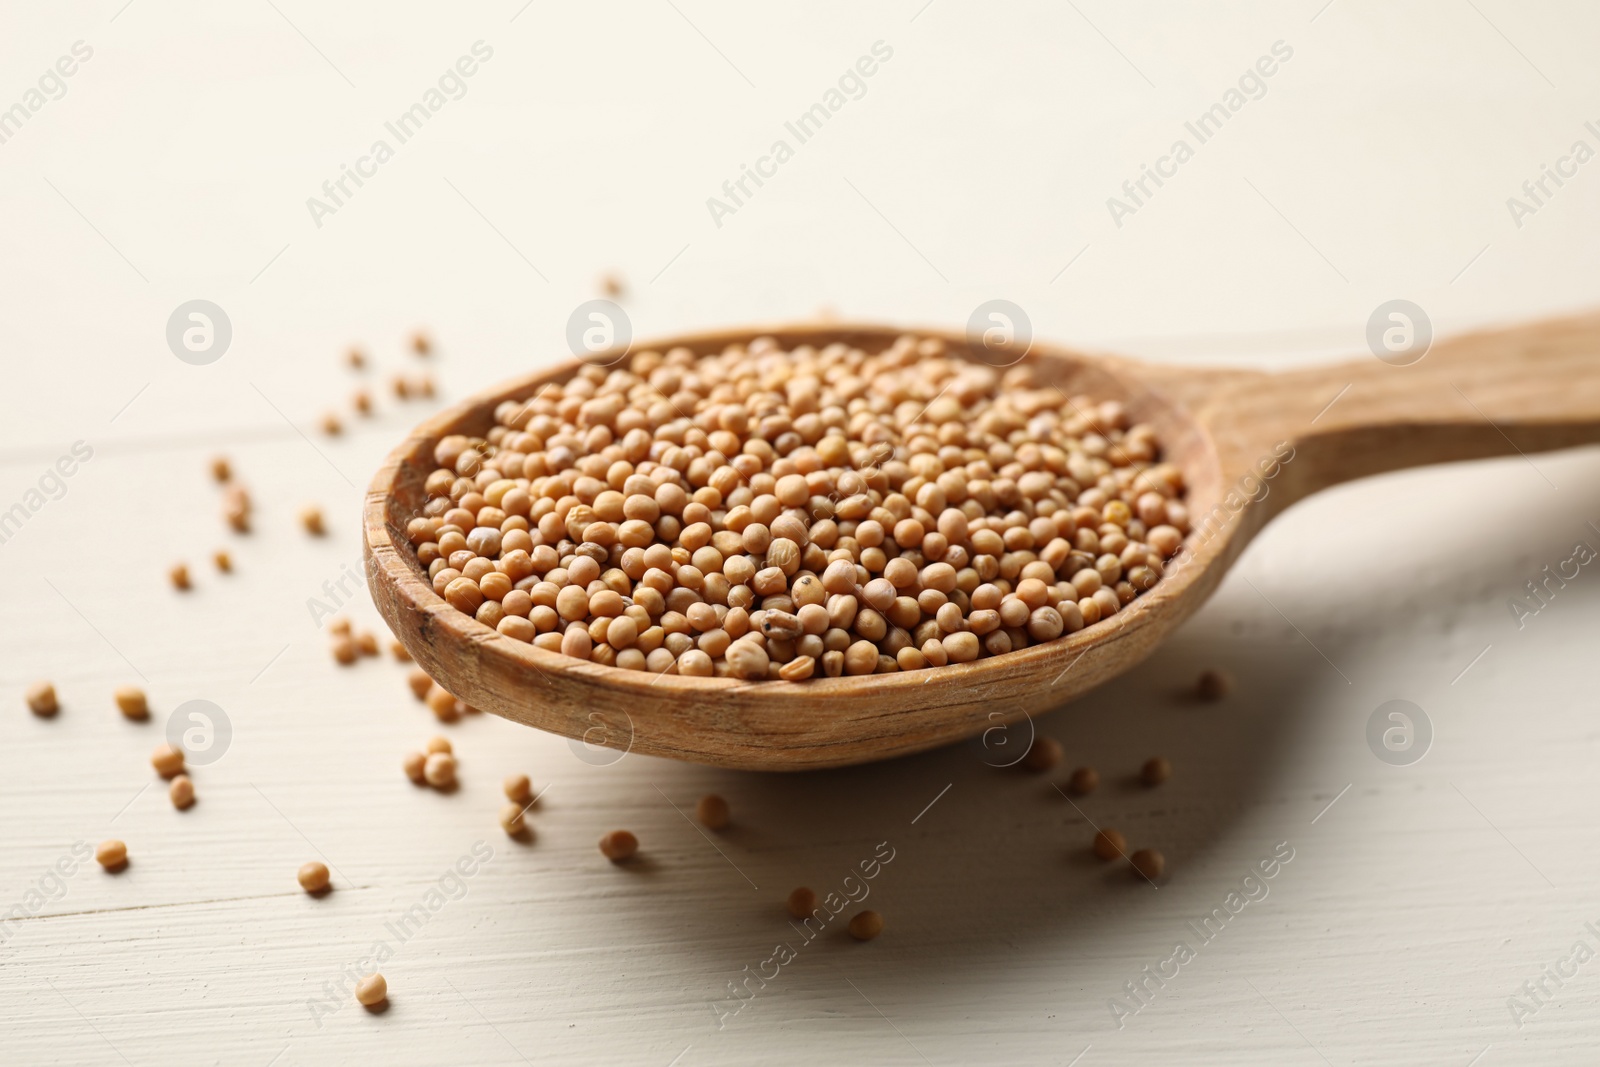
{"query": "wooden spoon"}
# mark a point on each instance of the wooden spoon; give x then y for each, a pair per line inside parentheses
(1249, 443)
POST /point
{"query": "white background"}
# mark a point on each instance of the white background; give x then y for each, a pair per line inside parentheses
(977, 165)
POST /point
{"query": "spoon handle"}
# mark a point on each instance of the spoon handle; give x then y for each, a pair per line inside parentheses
(1524, 389)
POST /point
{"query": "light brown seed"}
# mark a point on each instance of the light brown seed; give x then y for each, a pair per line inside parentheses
(1043, 754)
(367, 643)
(41, 697)
(311, 519)
(440, 770)
(712, 811)
(420, 683)
(372, 991)
(131, 701)
(181, 791)
(399, 651)
(179, 576)
(801, 903)
(518, 788)
(512, 819)
(619, 846)
(313, 877)
(1156, 770)
(866, 925)
(421, 343)
(1084, 780)
(331, 424)
(1213, 686)
(111, 854)
(344, 650)
(1149, 863)
(1109, 844)
(221, 470)
(167, 761)
(438, 744)
(415, 765)
(356, 358)
(223, 561)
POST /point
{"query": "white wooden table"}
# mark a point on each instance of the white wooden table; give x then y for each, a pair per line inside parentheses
(175, 164)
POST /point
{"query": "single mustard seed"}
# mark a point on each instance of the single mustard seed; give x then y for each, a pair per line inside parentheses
(801, 903)
(866, 925)
(220, 468)
(179, 575)
(131, 700)
(712, 811)
(339, 626)
(367, 643)
(1109, 844)
(344, 649)
(512, 820)
(1043, 754)
(1149, 862)
(445, 707)
(440, 770)
(1083, 781)
(311, 519)
(421, 343)
(41, 697)
(361, 400)
(1213, 686)
(223, 561)
(313, 876)
(1156, 770)
(111, 854)
(355, 358)
(438, 744)
(167, 761)
(420, 683)
(618, 846)
(414, 764)
(400, 653)
(372, 991)
(331, 425)
(518, 788)
(181, 791)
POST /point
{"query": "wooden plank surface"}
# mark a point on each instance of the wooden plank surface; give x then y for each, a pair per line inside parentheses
(1419, 898)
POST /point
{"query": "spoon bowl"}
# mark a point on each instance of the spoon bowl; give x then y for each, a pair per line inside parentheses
(1249, 444)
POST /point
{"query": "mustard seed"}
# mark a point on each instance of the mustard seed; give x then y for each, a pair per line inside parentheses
(1043, 754)
(41, 697)
(340, 626)
(440, 770)
(801, 903)
(331, 425)
(367, 643)
(181, 791)
(344, 650)
(221, 470)
(311, 519)
(132, 703)
(518, 788)
(1084, 780)
(179, 576)
(372, 991)
(445, 707)
(421, 343)
(1109, 844)
(619, 846)
(866, 925)
(420, 683)
(1148, 862)
(167, 761)
(400, 653)
(712, 811)
(111, 854)
(1156, 770)
(223, 561)
(512, 820)
(356, 358)
(313, 877)
(438, 744)
(415, 766)
(361, 400)
(1213, 686)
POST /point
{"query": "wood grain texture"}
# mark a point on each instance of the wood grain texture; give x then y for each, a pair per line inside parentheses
(1230, 433)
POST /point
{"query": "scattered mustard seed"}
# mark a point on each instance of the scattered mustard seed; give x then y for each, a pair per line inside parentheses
(712, 811)
(1213, 686)
(618, 846)
(167, 761)
(220, 468)
(1109, 844)
(1156, 770)
(372, 991)
(401, 386)
(400, 653)
(445, 707)
(236, 508)
(420, 683)
(111, 854)
(1083, 781)
(313, 876)
(367, 643)
(611, 285)
(356, 358)
(181, 791)
(339, 625)
(421, 343)
(223, 561)
(344, 650)
(438, 744)
(331, 424)
(179, 574)
(131, 701)
(41, 697)
(311, 519)
(361, 400)
(415, 764)
(512, 820)
(440, 770)
(801, 903)
(1148, 862)
(518, 788)
(866, 925)
(1043, 754)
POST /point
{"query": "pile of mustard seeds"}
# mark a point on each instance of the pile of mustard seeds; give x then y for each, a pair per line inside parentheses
(761, 513)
